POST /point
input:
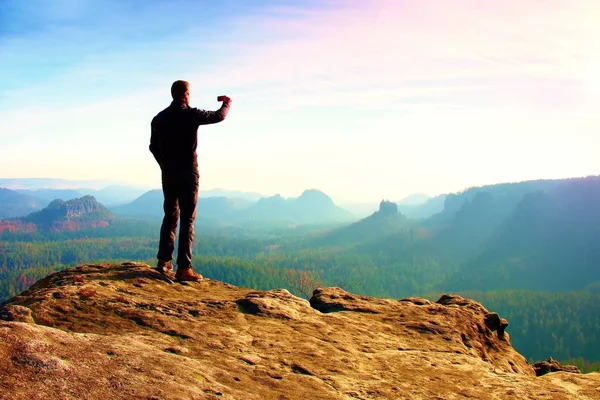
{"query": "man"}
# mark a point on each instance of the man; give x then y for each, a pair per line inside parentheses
(173, 143)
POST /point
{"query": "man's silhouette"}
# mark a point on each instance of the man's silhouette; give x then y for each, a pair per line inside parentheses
(173, 143)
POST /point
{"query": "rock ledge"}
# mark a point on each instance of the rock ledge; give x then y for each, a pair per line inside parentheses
(122, 332)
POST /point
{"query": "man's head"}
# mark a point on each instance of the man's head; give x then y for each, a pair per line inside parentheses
(180, 90)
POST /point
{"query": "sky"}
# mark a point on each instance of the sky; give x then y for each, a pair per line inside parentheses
(363, 99)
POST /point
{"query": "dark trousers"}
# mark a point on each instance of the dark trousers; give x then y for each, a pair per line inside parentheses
(180, 190)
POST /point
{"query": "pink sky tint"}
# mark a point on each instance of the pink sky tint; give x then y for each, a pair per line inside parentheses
(391, 44)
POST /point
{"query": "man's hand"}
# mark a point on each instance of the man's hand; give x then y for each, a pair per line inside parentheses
(224, 99)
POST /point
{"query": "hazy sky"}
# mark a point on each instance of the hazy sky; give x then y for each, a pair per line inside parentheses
(363, 99)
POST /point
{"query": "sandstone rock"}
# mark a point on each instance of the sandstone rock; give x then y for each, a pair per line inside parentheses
(416, 300)
(140, 337)
(16, 313)
(551, 365)
(495, 323)
(275, 303)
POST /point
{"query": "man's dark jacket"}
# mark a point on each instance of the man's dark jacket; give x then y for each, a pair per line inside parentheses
(174, 137)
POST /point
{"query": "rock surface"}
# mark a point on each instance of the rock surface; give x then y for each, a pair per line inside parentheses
(121, 332)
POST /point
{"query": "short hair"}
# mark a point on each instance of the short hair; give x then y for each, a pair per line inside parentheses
(179, 88)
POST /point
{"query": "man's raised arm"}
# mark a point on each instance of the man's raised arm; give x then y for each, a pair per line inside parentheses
(212, 117)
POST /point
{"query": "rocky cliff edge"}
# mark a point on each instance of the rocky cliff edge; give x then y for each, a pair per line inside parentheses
(122, 332)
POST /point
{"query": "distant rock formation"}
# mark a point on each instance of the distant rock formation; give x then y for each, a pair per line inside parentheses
(382, 223)
(387, 208)
(72, 209)
(60, 215)
(123, 332)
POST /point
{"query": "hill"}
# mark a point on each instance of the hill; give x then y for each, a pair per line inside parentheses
(550, 241)
(61, 215)
(506, 196)
(382, 223)
(119, 331)
(149, 205)
(15, 204)
(312, 206)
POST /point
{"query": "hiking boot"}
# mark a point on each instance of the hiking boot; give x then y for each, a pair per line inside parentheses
(164, 267)
(187, 274)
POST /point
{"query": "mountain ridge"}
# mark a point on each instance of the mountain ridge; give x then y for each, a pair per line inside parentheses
(312, 206)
